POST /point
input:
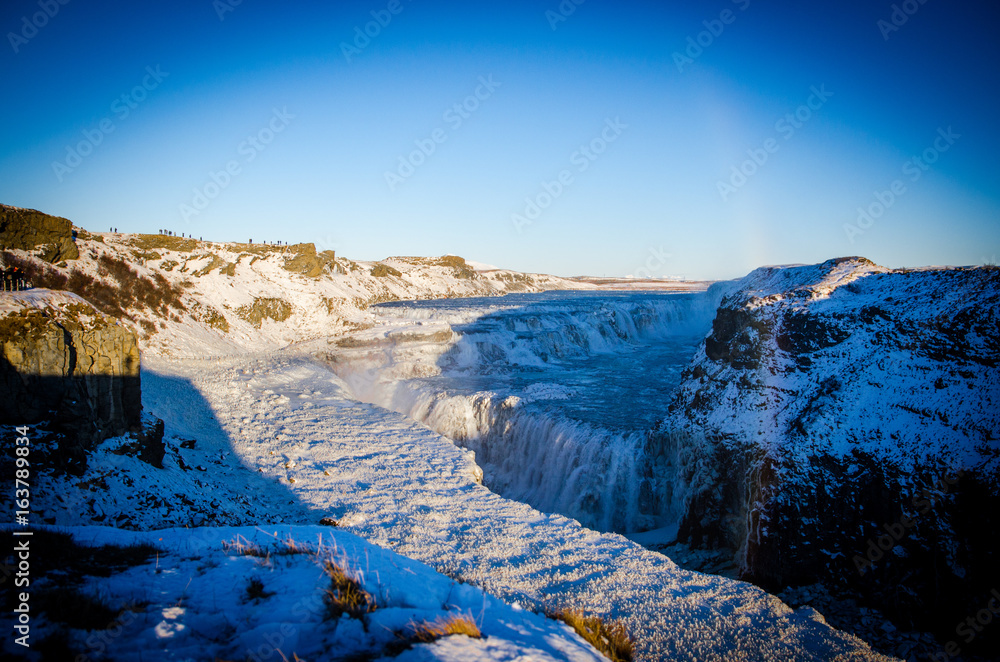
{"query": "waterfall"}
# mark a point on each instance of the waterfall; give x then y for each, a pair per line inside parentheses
(498, 380)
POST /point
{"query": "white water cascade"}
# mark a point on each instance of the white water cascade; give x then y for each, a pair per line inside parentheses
(558, 395)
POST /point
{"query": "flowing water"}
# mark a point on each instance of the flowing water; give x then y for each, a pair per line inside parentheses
(557, 393)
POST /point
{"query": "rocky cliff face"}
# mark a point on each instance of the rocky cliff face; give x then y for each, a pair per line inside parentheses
(50, 237)
(68, 368)
(849, 415)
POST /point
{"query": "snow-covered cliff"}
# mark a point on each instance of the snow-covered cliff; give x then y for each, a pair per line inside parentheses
(847, 419)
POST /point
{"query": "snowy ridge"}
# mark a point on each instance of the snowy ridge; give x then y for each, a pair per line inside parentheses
(309, 295)
(802, 281)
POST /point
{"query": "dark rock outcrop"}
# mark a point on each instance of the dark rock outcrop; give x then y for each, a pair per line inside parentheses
(70, 367)
(264, 308)
(381, 270)
(303, 259)
(30, 230)
(147, 444)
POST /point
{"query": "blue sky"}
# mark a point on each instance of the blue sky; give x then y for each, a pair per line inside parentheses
(588, 139)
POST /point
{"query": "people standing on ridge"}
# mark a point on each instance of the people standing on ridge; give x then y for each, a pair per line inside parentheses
(14, 280)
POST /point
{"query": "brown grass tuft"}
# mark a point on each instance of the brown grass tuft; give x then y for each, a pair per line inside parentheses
(345, 595)
(427, 632)
(287, 547)
(290, 546)
(611, 639)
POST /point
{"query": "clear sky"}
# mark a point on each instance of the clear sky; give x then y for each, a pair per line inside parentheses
(697, 139)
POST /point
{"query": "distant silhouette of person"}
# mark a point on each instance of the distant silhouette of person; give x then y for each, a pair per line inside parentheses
(14, 280)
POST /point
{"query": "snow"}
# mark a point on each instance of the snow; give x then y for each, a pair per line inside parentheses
(481, 266)
(191, 602)
(16, 302)
(908, 406)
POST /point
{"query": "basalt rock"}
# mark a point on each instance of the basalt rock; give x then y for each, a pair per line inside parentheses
(303, 259)
(381, 270)
(264, 308)
(51, 237)
(146, 444)
(68, 367)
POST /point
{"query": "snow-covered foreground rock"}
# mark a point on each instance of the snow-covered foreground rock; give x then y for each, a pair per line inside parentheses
(299, 450)
(270, 593)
